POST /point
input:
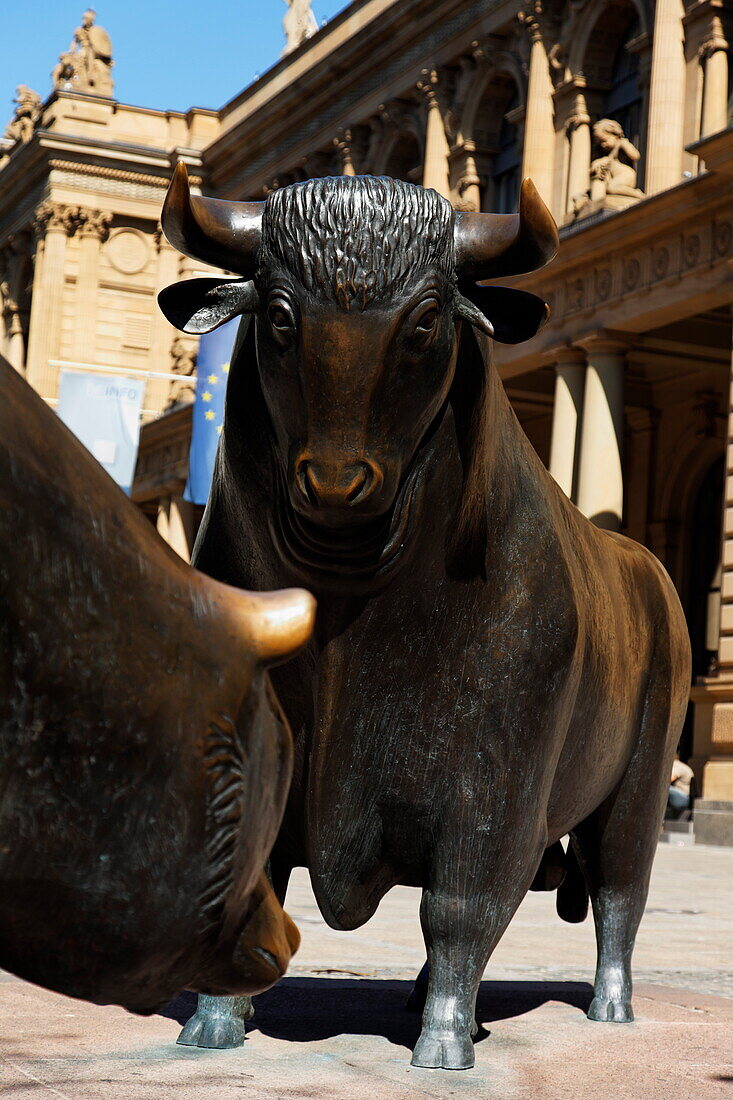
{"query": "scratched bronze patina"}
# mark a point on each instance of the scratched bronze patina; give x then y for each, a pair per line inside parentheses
(144, 761)
(489, 671)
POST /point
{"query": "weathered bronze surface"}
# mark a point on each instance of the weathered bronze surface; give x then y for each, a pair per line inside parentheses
(489, 671)
(145, 761)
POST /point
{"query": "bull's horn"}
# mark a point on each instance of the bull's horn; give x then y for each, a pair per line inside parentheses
(490, 246)
(278, 623)
(225, 234)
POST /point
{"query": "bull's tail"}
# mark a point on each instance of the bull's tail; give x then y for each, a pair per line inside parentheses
(559, 870)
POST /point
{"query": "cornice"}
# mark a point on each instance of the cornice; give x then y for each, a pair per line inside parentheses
(308, 112)
(665, 258)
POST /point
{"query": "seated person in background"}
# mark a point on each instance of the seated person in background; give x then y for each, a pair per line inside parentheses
(678, 799)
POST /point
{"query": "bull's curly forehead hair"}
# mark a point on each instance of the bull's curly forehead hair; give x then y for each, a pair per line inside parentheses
(357, 238)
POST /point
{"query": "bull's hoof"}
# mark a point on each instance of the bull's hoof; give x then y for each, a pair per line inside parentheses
(610, 1012)
(443, 1050)
(218, 1023)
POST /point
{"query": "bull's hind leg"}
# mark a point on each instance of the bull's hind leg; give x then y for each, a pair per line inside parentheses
(463, 913)
(218, 1022)
(616, 848)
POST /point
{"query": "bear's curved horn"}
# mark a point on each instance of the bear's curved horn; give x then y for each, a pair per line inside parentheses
(491, 246)
(225, 234)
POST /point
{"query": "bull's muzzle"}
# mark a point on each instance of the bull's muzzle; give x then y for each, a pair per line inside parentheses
(322, 486)
(268, 941)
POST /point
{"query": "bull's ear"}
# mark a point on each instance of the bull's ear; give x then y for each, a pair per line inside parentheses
(200, 305)
(512, 315)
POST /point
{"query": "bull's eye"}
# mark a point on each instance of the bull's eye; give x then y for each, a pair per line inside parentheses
(426, 323)
(428, 320)
(280, 316)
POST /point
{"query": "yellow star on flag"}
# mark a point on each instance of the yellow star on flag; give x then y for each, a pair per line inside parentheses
(206, 396)
(212, 380)
(218, 429)
(209, 414)
(225, 368)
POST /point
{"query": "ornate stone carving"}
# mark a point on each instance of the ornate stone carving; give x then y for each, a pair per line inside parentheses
(612, 180)
(26, 115)
(183, 362)
(95, 223)
(342, 145)
(299, 24)
(568, 25)
(56, 216)
(87, 64)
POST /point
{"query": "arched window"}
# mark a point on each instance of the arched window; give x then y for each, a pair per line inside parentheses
(506, 165)
(623, 101)
(404, 160)
(496, 136)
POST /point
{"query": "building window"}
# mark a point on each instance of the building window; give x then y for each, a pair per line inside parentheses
(404, 161)
(623, 102)
(506, 165)
(496, 138)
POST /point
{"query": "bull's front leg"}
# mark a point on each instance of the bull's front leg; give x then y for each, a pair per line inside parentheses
(474, 894)
(218, 1022)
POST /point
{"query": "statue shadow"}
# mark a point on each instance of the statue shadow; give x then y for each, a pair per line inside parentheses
(303, 1010)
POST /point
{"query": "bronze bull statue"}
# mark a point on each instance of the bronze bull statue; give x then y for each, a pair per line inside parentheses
(489, 671)
(144, 761)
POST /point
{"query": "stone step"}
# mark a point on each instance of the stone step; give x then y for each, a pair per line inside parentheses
(679, 827)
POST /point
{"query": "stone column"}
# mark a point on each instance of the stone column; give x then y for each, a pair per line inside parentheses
(54, 222)
(435, 163)
(93, 231)
(578, 129)
(539, 128)
(567, 415)
(162, 333)
(715, 86)
(16, 343)
(12, 259)
(664, 149)
(177, 537)
(600, 472)
(162, 523)
(712, 759)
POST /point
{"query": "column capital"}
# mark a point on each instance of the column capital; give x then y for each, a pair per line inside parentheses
(606, 342)
(56, 217)
(427, 85)
(565, 355)
(94, 223)
(715, 39)
(342, 145)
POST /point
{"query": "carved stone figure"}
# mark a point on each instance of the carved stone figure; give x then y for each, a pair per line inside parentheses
(489, 670)
(612, 180)
(144, 762)
(299, 23)
(27, 113)
(183, 362)
(87, 64)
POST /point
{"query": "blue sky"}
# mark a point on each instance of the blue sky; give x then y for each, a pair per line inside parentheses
(168, 53)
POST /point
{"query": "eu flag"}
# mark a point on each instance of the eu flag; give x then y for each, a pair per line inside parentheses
(212, 371)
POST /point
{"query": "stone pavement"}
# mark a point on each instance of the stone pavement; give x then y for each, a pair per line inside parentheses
(335, 1029)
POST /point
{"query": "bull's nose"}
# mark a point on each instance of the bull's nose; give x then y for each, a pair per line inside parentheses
(345, 485)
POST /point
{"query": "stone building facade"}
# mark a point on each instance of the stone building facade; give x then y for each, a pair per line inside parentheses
(619, 111)
(82, 179)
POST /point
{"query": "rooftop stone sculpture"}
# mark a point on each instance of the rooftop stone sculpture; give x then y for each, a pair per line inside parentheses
(144, 762)
(489, 671)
